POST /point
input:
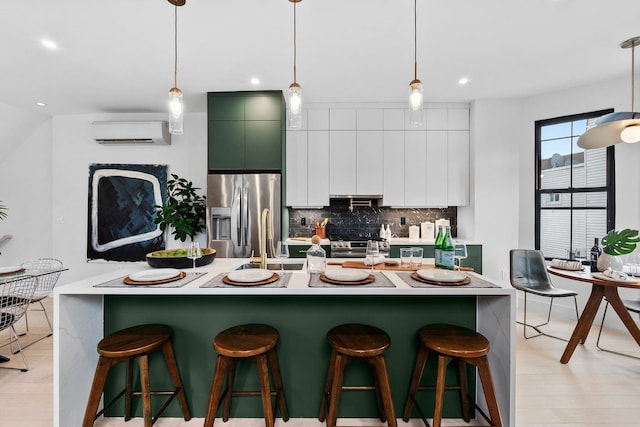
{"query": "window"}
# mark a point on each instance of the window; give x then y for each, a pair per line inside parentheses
(575, 188)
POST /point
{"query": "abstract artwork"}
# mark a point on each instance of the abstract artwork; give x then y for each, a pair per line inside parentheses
(122, 200)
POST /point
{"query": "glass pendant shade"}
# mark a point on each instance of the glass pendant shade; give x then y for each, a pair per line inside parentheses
(176, 111)
(416, 103)
(295, 106)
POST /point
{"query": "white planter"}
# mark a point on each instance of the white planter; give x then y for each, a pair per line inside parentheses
(605, 261)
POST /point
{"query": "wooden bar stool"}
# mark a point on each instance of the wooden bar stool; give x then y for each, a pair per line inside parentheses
(257, 344)
(137, 342)
(366, 343)
(465, 346)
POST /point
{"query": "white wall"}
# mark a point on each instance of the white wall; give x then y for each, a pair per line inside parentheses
(74, 150)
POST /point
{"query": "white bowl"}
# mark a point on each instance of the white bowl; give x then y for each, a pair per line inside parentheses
(251, 275)
(155, 274)
(346, 275)
(438, 275)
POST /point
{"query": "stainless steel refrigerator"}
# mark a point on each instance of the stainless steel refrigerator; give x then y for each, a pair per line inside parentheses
(235, 204)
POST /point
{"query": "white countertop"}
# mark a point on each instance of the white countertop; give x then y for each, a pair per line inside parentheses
(298, 284)
(395, 241)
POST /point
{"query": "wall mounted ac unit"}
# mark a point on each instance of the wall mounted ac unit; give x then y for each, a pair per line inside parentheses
(149, 132)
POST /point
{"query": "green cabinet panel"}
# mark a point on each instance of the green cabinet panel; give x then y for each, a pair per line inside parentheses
(228, 140)
(262, 107)
(263, 149)
(473, 260)
(300, 251)
(226, 106)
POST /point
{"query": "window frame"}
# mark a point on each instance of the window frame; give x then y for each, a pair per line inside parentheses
(609, 188)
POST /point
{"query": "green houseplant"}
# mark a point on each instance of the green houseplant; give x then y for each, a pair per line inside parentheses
(3, 211)
(614, 244)
(184, 212)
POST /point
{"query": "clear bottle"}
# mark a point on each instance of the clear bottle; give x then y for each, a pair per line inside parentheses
(438, 247)
(447, 257)
(595, 254)
(316, 257)
(388, 233)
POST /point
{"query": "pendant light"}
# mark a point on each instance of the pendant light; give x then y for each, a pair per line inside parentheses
(616, 127)
(176, 107)
(294, 113)
(416, 98)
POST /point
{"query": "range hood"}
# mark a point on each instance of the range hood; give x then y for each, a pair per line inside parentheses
(360, 201)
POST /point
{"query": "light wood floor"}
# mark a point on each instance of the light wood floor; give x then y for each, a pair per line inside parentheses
(594, 389)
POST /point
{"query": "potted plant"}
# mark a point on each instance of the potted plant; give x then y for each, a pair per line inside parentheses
(3, 211)
(185, 210)
(614, 244)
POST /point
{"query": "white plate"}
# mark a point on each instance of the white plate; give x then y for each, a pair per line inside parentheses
(153, 275)
(10, 269)
(602, 276)
(346, 275)
(441, 275)
(249, 276)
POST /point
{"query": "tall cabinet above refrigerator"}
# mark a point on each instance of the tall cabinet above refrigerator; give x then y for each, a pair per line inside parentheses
(235, 203)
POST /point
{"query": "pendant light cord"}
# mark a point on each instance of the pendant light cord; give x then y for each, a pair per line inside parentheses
(633, 77)
(415, 40)
(295, 47)
(175, 46)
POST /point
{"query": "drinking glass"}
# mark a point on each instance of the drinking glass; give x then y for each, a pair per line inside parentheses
(460, 254)
(194, 253)
(372, 252)
(416, 257)
(282, 252)
(405, 257)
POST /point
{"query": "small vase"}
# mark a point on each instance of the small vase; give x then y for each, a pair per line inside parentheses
(609, 261)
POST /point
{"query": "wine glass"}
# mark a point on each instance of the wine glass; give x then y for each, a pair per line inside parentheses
(282, 252)
(194, 252)
(372, 252)
(460, 254)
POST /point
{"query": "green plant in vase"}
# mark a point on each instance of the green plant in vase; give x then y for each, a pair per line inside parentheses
(614, 244)
(185, 210)
(3, 211)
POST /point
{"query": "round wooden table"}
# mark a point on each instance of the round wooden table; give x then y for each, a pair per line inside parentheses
(600, 288)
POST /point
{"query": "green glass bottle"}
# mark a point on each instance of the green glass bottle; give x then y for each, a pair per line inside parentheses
(438, 247)
(448, 251)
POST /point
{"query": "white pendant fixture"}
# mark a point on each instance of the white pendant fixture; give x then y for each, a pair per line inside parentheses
(616, 127)
(294, 105)
(176, 106)
(416, 96)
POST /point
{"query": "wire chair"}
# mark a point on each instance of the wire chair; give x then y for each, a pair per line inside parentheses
(47, 272)
(15, 297)
(631, 305)
(528, 273)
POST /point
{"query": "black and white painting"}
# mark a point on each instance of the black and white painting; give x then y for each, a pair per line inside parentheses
(122, 200)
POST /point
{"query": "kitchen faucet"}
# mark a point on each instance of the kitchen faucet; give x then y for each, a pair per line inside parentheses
(265, 235)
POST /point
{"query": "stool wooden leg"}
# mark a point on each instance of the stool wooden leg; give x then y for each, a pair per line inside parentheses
(170, 360)
(222, 365)
(277, 379)
(128, 391)
(489, 392)
(464, 389)
(385, 389)
(143, 362)
(336, 387)
(440, 381)
(418, 369)
(99, 379)
(327, 387)
(231, 376)
(376, 382)
(265, 388)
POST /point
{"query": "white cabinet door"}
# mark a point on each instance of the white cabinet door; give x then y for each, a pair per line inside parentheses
(393, 169)
(369, 119)
(436, 168)
(458, 165)
(318, 168)
(415, 156)
(342, 160)
(296, 168)
(369, 162)
(342, 119)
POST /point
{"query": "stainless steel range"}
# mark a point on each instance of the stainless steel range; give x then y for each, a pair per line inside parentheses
(356, 247)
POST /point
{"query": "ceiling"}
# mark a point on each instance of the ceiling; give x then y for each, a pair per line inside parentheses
(117, 55)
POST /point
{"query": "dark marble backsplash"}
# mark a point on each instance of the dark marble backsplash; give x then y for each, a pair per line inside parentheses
(365, 221)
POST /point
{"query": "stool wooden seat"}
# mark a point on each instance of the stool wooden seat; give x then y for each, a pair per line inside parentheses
(465, 346)
(363, 342)
(137, 342)
(255, 343)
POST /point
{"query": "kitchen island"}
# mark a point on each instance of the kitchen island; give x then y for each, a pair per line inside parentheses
(84, 313)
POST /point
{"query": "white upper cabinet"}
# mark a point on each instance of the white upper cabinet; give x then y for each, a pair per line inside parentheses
(318, 168)
(369, 162)
(457, 119)
(415, 166)
(436, 169)
(393, 119)
(393, 168)
(296, 168)
(318, 119)
(342, 119)
(342, 162)
(369, 119)
(458, 168)
(436, 118)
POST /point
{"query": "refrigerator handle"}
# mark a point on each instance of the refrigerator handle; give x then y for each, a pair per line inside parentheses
(245, 214)
(236, 213)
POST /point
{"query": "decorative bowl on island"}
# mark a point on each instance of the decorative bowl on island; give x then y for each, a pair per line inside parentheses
(177, 258)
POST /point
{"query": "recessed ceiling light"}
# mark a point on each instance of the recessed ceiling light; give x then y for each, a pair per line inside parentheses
(463, 81)
(49, 44)
(41, 104)
(255, 81)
